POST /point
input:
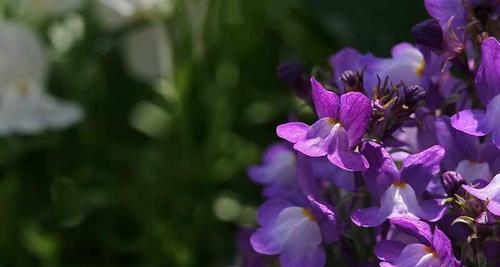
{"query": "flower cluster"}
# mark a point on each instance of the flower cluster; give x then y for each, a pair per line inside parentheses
(402, 165)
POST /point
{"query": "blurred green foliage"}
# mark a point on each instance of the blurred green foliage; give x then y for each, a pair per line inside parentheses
(155, 174)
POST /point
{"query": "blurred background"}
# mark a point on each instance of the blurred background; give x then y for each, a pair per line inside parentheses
(179, 97)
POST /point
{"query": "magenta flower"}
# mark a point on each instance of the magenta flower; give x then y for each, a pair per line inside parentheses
(427, 248)
(342, 123)
(399, 192)
(490, 193)
(295, 233)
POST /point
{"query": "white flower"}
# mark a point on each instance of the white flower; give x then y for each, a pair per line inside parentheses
(117, 13)
(25, 107)
(147, 49)
(148, 52)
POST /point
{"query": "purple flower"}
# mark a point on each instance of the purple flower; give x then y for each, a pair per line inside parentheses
(491, 251)
(316, 175)
(406, 65)
(490, 194)
(428, 248)
(323, 169)
(464, 153)
(488, 75)
(399, 191)
(429, 34)
(295, 77)
(249, 258)
(451, 15)
(342, 123)
(347, 59)
(480, 123)
(278, 172)
(295, 233)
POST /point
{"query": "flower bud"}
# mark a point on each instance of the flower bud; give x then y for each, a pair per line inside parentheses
(294, 76)
(413, 94)
(485, 218)
(428, 33)
(485, 222)
(452, 182)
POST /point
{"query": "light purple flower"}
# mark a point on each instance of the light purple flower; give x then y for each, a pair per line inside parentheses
(490, 194)
(406, 65)
(342, 123)
(295, 233)
(344, 60)
(278, 172)
(428, 248)
(399, 192)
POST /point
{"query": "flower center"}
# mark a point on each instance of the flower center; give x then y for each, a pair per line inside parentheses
(332, 121)
(421, 68)
(307, 213)
(429, 250)
(399, 184)
(22, 87)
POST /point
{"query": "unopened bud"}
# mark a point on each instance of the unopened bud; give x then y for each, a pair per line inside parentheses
(428, 33)
(413, 94)
(295, 77)
(452, 182)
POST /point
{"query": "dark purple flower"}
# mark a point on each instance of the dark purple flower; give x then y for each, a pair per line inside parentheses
(342, 123)
(452, 17)
(399, 191)
(490, 194)
(295, 233)
(491, 251)
(429, 248)
(452, 182)
(428, 33)
(295, 77)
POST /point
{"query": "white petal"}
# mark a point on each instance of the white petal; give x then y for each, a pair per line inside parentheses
(21, 56)
(149, 53)
(474, 170)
